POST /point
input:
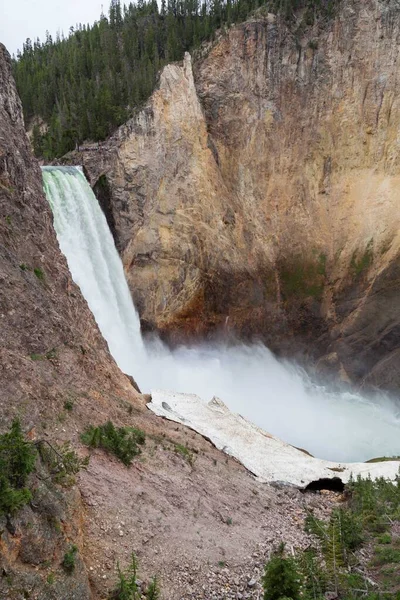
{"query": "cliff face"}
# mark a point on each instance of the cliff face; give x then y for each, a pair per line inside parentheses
(51, 352)
(261, 195)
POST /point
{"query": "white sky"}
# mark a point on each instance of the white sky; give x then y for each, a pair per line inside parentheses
(20, 19)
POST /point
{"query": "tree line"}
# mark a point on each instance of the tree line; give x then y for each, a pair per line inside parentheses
(83, 86)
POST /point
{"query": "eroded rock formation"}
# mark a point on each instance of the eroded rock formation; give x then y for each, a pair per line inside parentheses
(261, 195)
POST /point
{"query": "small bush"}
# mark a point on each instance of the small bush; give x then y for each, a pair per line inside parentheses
(17, 459)
(385, 538)
(358, 265)
(69, 405)
(184, 452)
(39, 273)
(49, 355)
(124, 442)
(386, 555)
(68, 563)
(11, 499)
(281, 577)
(342, 534)
(128, 587)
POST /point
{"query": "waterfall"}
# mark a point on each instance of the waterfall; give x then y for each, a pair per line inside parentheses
(95, 266)
(276, 395)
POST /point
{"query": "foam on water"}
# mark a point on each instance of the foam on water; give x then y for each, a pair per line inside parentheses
(276, 395)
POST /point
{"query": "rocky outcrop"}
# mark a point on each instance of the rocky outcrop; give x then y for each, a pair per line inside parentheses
(261, 196)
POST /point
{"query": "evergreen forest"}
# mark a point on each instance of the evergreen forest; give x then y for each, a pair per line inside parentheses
(83, 86)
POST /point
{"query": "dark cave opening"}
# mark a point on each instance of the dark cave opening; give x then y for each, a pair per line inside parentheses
(334, 484)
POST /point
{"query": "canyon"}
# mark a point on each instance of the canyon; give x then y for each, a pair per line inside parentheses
(201, 534)
(254, 197)
(256, 194)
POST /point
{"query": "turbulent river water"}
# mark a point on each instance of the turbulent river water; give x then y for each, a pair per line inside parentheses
(276, 395)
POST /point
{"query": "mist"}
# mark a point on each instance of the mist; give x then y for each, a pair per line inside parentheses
(279, 397)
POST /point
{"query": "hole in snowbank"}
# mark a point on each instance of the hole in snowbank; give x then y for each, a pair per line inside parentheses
(334, 485)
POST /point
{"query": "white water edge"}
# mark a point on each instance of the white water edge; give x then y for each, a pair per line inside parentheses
(277, 396)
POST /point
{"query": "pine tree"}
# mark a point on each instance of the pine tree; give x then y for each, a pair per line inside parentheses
(281, 577)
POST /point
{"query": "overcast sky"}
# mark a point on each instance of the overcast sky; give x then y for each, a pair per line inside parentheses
(20, 19)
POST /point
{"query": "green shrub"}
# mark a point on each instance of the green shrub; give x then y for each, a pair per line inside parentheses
(341, 534)
(184, 452)
(385, 538)
(124, 442)
(17, 459)
(362, 263)
(39, 273)
(128, 588)
(51, 354)
(385, 555)
(281, 577)
(11, 499)
(68, 563)
(69, 405)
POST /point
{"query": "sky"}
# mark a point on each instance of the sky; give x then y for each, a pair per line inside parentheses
(20, 19)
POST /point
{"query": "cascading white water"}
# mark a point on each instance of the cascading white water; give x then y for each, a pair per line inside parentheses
(86, 242)
(276, 395)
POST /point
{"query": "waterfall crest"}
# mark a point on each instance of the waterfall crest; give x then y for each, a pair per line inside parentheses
(276, 395)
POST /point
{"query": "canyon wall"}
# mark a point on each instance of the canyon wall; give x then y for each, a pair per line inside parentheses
(257, 192)
(51, 356)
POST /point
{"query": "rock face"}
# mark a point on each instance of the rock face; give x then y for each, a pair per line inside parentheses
(261, 195)
(51, 352)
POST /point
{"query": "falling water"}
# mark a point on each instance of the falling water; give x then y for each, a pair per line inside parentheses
(276, 395)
